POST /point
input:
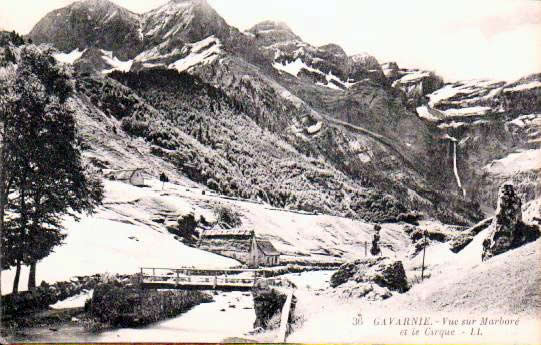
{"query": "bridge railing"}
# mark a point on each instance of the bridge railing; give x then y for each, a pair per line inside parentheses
(210, 277)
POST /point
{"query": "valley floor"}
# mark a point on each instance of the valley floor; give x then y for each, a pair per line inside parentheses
(124, 236)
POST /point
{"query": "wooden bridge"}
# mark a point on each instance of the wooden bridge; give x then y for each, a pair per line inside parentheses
(218, 279)
(205, 279)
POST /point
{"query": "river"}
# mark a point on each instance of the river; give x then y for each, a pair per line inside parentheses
(231, 314)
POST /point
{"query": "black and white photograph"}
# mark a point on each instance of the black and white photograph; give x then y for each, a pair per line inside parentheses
(235, 171)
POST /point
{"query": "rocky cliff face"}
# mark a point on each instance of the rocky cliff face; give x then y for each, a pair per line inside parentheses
(328, 66)
(416, 84)
(493, 128)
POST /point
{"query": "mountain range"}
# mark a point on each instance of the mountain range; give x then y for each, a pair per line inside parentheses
(262, 115)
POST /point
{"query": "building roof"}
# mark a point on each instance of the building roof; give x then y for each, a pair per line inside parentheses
(267, 248)
(124, 174)
(228, 232)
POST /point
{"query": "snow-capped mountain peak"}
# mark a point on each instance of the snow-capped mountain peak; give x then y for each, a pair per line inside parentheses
(186, 20)
(270, 32)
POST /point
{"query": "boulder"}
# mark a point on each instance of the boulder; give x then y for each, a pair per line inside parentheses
(391, 70)
(344, 273)
(380, 271)
(507, 230)
(461, 240)
(368, 291)
(184, 226)
(418, 247)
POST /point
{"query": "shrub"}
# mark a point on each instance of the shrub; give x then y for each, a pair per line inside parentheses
(118, 305)
(226, 217)
(267, 306)
(135, 127)
(44, 295)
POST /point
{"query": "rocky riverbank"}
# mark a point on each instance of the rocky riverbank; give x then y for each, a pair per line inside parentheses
(116, 301)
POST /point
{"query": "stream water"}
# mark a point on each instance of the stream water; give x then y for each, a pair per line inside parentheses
(230, 315)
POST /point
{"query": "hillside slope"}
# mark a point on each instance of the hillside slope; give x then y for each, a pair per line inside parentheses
(506, 286)
(327, 106)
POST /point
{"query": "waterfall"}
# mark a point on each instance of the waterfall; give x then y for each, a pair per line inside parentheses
(455, 169)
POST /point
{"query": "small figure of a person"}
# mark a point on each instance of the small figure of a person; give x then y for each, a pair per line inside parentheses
(374, 249)
(163, 179)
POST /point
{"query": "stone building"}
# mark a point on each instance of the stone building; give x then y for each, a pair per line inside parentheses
(241, 245)
(131, 176)
(263, 253)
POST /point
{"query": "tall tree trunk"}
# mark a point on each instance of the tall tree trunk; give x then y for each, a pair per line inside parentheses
(16, 280)
(32, 276)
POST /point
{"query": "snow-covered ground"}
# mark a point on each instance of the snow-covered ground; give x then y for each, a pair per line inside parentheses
(535, 84)
(169, 55)
(411, 77)
(461, 287)
(123, 235)
(117, 239)
(230, 315)
(429, 113)
(471, 90)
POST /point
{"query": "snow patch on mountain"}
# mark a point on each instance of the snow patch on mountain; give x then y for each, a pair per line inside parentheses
(411, 77)
(528, 86)
(429, 113)
(475, 89)
(202, 52)
(115, 63)
(314, 128)
(69, 58)
(452, 124)
(525, 120)
(516, 162)
(168, 54)
(297, 65)
(294, 67)
(469, 111)
(329, 85)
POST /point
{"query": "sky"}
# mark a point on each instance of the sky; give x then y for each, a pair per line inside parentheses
(460, 39)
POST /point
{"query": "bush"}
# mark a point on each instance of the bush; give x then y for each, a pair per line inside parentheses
(44, 295)
(134, 127)
(118, 305)
(226, 217)
(267, 304)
